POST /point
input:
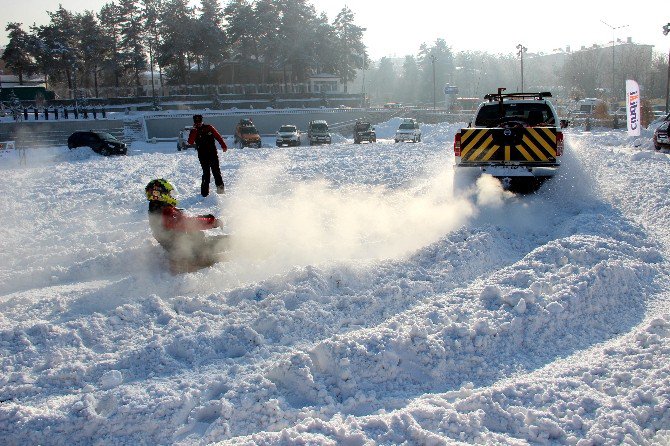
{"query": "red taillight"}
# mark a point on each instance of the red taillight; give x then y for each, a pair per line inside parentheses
(457, 144)
(559, 143)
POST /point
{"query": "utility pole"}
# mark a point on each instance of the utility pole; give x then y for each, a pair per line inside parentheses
(614, 28)
(432, 59)
(666, 30)
(522, 49)
(365, 63)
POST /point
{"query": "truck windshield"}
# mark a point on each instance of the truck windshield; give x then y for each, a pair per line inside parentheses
(406, 126)
(287, 128)
(319, 127)
(362, 127)
(489, 115)
(248, 130)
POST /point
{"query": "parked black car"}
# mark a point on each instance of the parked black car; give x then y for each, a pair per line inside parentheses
(101, 142)
(662, 135)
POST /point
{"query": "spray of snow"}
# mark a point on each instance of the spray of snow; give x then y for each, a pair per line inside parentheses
(280, 223)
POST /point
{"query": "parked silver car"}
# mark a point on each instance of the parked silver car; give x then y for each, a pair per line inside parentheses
(288, 135)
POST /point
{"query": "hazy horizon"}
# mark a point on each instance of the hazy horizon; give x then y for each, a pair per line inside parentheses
(395, 29)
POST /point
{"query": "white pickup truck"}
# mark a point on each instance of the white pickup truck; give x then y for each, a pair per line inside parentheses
(515, 137)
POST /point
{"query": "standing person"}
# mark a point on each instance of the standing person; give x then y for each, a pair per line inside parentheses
(204, 137)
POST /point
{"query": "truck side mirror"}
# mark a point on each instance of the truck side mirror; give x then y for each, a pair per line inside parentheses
(564, 123)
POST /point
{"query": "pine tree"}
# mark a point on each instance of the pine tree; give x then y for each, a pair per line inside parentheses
(41, 45)
(351, 50)
(131, 43)
(324, 49)
(210, 38)
(444, 66)
(409, 80)
(94, 45)
(62, 34)
(15, 106)
(177, 29)
(110, 19)
(151, 23)
(385, 78)
(16, 55)
(297, 37)
(240, 30)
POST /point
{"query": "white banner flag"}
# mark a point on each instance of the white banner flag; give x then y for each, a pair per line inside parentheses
(633, 107)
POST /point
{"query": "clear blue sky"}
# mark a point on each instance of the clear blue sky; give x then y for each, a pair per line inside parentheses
(398, 27)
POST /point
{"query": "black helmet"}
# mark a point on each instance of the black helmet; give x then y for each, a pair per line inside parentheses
(197, 119)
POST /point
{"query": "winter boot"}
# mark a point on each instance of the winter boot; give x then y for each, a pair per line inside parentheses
(220, 189)
(204, 189)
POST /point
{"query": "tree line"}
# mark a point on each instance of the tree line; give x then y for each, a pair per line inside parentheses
(259, 41)
(568, 75)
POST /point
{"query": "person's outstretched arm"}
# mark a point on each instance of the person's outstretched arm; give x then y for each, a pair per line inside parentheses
(174, 219)
(219, 138)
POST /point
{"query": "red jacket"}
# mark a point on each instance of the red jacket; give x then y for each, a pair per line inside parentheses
(169, 224)
(174, 219)
(204, 134)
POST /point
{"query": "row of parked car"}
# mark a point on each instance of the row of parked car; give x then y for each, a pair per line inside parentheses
(246, 135)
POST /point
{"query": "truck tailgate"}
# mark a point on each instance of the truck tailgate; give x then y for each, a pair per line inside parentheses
(517, 145)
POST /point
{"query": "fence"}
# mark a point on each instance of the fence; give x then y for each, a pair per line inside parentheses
(56, 113)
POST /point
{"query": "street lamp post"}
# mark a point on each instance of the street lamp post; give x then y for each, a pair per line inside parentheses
(432, 59)
(522, 49)
(614, 28)
(666, 30)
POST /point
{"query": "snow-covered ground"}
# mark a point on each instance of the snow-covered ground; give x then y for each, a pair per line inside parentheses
(361, 303)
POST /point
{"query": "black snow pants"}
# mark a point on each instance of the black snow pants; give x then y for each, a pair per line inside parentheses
(209, 160)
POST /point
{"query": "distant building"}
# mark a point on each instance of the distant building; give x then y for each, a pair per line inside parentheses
(594, 70)
(145, 81)
(325, 83)
(10, 80)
